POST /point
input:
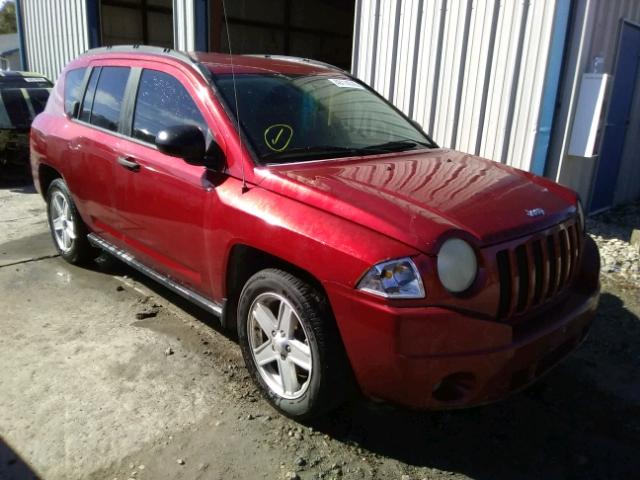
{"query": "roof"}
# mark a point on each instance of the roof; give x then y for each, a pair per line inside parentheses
(14, 79)
(243, 64)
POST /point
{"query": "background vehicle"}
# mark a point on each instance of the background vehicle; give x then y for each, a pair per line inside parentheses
(312, 216)
(23, 95)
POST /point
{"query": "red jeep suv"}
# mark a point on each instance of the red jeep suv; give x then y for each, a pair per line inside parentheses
(292, 201)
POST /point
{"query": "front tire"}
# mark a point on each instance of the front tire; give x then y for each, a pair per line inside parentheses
(291, 345)
(68, 231)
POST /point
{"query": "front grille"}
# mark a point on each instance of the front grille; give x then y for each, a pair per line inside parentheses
(537, 269)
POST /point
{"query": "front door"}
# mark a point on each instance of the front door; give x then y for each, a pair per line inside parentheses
(162, 200)
(617, 118)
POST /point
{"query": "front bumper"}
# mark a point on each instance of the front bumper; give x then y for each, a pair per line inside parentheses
(436, 358)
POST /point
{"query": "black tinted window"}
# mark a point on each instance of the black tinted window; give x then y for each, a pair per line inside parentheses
(16, 106)
(107, 101)
(163, 102)
(72, 86)
(21, 106)
(38, 98)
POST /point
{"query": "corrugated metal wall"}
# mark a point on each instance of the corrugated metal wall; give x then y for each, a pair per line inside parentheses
(596, 28)
(472, 72)
(604, 37)
(604, 42)
(184, 25)
(55, 32)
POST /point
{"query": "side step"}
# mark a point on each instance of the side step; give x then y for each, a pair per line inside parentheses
(181, 290)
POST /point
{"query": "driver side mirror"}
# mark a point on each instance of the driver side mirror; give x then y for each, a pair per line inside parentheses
(184, 141)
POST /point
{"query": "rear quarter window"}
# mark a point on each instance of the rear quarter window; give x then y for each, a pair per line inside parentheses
(73, 88)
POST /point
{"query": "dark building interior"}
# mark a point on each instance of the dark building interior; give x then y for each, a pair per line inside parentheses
(318, 29)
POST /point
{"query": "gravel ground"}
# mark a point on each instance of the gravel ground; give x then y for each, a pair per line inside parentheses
(88, 390)
(612, 232)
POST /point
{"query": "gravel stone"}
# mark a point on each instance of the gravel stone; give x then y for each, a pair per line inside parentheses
(612, 232)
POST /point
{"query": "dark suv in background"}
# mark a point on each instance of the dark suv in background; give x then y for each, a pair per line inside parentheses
(23, 95)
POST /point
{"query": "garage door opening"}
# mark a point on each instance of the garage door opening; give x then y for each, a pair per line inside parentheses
(136, 22)
(318, 29)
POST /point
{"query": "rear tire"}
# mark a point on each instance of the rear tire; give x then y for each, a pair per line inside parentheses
(291, 345)
(68, 231)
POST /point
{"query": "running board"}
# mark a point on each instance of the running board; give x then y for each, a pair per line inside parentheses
(181, 290)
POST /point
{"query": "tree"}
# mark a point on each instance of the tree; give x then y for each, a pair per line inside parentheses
(8, 18)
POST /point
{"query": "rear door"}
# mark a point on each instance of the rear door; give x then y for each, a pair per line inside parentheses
(96, 146)
(161, 200)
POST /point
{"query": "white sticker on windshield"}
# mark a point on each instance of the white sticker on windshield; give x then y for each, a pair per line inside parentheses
(345, 83)
(34, 79)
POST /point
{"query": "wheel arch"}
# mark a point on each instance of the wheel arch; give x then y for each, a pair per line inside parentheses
(46, 175)
(243, 261)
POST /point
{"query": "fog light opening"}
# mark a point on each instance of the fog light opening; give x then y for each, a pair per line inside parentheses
(454, 387)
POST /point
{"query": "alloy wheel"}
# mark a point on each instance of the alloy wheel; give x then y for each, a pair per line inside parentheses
(279, 345)
(62, 221)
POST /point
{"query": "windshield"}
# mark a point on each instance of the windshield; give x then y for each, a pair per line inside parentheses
(292, 118)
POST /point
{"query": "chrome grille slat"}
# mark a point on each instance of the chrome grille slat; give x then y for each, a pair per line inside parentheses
(533, 272)
(554, 263)
(565, 258)
(515, 284)
(540, 273)
(523, 277)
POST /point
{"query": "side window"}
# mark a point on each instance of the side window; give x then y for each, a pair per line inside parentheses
(163, 102)
(87, 102)
(72, 88)
(38, 98)
(107, 101)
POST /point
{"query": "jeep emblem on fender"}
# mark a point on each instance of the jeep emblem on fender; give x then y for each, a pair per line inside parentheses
(534, 212)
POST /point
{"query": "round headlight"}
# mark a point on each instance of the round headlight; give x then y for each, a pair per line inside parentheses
(457, 265)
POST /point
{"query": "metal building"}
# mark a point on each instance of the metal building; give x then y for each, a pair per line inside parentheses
(516, 81)
(548, 86)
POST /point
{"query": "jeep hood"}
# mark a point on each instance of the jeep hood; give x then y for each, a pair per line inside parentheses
(415, 197)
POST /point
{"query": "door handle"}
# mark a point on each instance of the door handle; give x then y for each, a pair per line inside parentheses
(129, 163)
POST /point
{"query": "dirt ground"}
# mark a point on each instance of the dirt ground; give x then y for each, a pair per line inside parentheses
(87, 390)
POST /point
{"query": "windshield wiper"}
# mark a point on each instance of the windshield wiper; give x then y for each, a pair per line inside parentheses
(323, 151)
(395, 146)
(302, 152)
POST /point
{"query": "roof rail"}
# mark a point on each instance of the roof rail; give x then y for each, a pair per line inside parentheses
(151, 50)
(148, 49)
(297, 59)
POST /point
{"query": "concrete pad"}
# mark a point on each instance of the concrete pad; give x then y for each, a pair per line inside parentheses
(84, 385)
